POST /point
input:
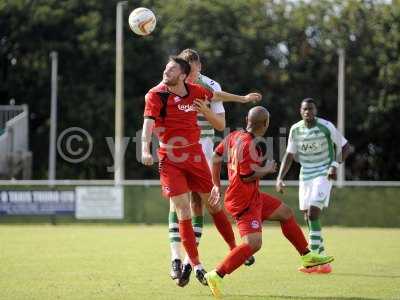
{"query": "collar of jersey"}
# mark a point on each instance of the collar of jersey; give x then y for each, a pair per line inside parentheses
(251, 134)
(316, 122)
(187, 91)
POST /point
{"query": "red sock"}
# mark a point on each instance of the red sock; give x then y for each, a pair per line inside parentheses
(235, 259)
(292, 231)
(225, 228)
(189, 240)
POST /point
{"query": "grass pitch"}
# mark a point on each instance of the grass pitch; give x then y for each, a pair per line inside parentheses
(132, 262)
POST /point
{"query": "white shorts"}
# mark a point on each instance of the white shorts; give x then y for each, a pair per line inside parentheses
(314, 192)
(208, 148)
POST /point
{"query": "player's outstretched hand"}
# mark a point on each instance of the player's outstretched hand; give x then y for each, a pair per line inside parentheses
(147, 159)
(279, 186)
(252, 97)
(215, 195)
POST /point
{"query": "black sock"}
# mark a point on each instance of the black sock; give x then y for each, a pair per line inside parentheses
(222, 276)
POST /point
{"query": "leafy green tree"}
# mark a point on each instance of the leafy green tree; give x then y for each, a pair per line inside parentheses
(285, 49)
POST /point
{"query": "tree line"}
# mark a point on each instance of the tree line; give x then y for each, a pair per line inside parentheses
(287, 50)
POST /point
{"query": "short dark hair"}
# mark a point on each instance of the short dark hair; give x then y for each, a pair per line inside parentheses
(183, 64)
(190, 55)
(308, 100)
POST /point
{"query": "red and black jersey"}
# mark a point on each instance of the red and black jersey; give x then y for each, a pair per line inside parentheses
(244, 157)
(175, 116)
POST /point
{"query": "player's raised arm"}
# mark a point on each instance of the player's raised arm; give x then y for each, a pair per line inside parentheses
(228, 97)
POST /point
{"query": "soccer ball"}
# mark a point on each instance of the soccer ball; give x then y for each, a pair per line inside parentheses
(142, 21)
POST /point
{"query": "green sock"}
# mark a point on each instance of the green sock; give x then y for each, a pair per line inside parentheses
(321, 249)
(197, 223)
(314, 235)
(174, 237)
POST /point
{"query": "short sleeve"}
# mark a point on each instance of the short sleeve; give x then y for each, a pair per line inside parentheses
(336, 136)
(205, 93)
(217, 107)
(219, 150)
(249, 161)
(291, 147)
(215, 86)
(152, 106)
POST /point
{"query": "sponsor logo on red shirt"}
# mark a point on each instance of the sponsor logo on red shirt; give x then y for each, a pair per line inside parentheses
(186, 107)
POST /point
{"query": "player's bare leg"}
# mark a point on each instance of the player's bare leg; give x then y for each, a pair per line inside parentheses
(197, 209)
(182, 206)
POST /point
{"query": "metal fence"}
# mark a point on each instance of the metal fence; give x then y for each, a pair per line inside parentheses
(8, 112)
(14, 141)
(154, 182)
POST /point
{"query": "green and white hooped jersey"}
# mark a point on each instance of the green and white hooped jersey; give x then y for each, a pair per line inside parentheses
(207, 131)
(315, 147)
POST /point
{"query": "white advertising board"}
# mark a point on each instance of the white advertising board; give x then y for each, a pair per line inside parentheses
(99, 202)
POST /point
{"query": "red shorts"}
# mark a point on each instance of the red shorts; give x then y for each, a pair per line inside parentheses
(250, 220)
(183, 170)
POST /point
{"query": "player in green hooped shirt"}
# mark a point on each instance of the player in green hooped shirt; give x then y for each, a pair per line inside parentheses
(319, 148)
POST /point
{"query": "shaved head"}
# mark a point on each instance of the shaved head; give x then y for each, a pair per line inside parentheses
(258, 120)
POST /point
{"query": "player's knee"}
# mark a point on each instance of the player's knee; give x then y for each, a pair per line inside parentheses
(313, 217)
(197, 210)
(196, 205)
(287, 212)
(313, 213)
(255, 245)
(183, 212)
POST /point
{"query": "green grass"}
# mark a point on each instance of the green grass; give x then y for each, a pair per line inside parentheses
(132, 262)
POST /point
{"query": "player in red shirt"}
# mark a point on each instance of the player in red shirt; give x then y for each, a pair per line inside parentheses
(244, 201)
(170, 113)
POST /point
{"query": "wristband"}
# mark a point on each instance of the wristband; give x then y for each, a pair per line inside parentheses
(335, 164)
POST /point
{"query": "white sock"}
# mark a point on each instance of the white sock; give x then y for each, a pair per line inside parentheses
(175, 250)
(186, 260)
(198, 267)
